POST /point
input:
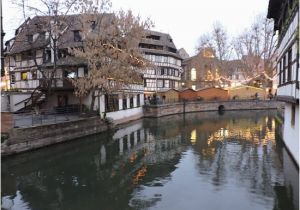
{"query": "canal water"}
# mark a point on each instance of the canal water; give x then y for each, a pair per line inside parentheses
(201, 161)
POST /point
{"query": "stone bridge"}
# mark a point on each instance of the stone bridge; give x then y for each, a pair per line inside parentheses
(199, 106)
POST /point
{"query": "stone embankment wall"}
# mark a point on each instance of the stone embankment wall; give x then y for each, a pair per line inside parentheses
(24, 139)
(6, 122)
(198, 106)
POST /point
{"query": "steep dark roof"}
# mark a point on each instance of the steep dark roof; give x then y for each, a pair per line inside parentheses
(165, 41)
(41, 24)
(274, 9)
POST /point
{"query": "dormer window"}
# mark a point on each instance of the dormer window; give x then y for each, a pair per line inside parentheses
(42, 35)
(77, 36)
(30, 38)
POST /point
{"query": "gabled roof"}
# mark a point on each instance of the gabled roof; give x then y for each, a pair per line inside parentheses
(165, 40)
(164, 91)
(274, 9)
(244, 86)
(186, 89)
(41, 24)
(206, 88)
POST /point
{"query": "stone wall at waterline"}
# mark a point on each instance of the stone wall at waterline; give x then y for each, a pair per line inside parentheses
(30, 138)
(199, 106)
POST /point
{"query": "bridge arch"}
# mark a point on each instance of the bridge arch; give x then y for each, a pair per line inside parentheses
(221, 109)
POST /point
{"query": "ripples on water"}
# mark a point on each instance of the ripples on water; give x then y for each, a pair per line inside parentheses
(191, 161)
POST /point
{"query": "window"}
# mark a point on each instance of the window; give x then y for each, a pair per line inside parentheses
(42, 36)
(176, 73)
(165, 59)
(293, 114)
(279, 72)
(62, 53)
(176, 84)
(71, 74)
(62, 100)
(33, 75)
(23, 75)
(30, 38)
(111, 102)
(158, 58)
(150, 83)
(77, 36)
(283, 69)
(160, 83)
(27, 55)
(47, 56)
(193, 74)
(131, 101)
(289, 67)
(153, 37)
(124, 102)
(12, 78)
(194, 87)
(138, 101)
(167, 83)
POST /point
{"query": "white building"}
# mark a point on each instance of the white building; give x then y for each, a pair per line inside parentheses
(166, 71)
(286, 22)
(30, 56)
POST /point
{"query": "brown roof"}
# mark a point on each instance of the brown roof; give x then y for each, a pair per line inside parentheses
(41, 24)
(165, 40)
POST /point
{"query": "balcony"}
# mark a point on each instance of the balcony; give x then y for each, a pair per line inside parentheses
(58, 84)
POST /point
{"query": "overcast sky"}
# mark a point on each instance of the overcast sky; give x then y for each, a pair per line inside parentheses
(184, 20)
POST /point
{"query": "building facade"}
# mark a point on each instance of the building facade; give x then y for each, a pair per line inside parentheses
(285, 14)
(166, 69)
(202, 71)
(35, 66)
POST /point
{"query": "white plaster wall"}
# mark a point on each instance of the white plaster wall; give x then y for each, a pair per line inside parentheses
(142, 99)
(291, 132)
(121, 115)
(15, 98)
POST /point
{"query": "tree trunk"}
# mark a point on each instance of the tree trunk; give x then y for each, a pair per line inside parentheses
(80, 104)
(93, 101)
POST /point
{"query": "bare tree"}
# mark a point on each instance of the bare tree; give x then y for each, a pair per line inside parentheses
(255, 47)
(110, 48)
(51, 20)
(217, 41)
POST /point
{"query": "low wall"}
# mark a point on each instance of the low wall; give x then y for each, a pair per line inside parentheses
(198, 106)
(127, 115)
(6, 122)
(24, 139)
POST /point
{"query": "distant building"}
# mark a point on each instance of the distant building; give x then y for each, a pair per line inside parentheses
(165, 74)
(183, 54)
(246, 92)
(285, 14)
(201, 70)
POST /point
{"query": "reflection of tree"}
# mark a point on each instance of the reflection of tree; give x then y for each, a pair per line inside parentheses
(241, 150)
(91, 175)
(100, 171)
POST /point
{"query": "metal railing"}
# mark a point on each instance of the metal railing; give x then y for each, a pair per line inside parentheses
(44, 116)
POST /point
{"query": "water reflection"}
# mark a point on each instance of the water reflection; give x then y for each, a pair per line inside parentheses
(191, 161)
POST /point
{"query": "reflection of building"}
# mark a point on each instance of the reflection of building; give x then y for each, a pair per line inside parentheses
(286, 21)
(165, 74)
